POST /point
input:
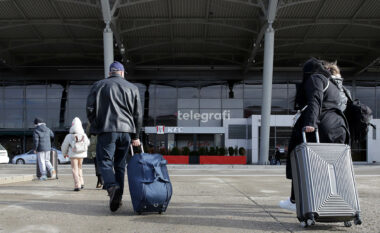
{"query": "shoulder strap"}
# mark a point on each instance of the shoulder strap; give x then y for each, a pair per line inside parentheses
(347, 93)
(327, 86)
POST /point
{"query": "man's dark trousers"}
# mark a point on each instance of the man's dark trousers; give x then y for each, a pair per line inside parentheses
(111, 154)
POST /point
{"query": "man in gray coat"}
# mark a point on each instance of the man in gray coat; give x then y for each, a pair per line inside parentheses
(42, 146)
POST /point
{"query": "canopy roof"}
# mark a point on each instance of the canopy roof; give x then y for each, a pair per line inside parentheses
(189, 32)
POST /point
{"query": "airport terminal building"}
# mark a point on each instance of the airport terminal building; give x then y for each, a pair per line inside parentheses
(201, 66)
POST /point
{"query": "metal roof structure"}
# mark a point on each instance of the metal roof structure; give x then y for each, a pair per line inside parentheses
(43, 33)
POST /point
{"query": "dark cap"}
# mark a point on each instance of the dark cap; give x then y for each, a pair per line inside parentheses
(38, 120)
(116, 66)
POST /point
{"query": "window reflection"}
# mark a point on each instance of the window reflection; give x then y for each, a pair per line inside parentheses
(211, 92)
(21, 102)
(188, 92)
(13, 118)
(35, 91)
(14, 92)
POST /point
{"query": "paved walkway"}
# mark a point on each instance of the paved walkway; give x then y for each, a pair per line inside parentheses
(240, 199)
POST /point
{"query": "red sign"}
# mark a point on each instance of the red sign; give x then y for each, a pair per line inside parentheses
(160, 129)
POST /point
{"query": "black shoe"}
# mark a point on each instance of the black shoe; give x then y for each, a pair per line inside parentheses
(77, 189)
(100, 183)
(82, 186)
(116, 195)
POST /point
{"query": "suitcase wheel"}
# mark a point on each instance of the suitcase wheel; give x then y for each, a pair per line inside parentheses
(139, 213)
(303, 224)
(310, 222)
(358, 221)
(347, 224)
(159, 212)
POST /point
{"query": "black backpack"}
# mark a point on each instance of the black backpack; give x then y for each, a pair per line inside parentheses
(359, 118)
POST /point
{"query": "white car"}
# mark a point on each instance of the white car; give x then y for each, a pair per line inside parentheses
(30, 157)
(3, 155)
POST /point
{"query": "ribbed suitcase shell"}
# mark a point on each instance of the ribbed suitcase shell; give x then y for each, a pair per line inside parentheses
(324, 183)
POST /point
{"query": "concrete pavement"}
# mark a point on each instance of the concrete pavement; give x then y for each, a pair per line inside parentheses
(205, 199)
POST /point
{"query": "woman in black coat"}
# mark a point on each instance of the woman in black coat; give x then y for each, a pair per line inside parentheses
(322, 94)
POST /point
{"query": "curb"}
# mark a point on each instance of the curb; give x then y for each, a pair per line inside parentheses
(15, 178)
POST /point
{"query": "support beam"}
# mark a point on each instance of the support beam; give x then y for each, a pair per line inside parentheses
(46, 42)
(36, 32)
(33, 23)
(267, 83)
(216, 57)
(107, 37)
(296, 23)
(289, 3)
(108, 49)
(374, 62)
(92, 3)
(255, 49)
(115, 7)
(110, 18)
(267, 95)
(188, 41)
(202, 21)
(259, 37)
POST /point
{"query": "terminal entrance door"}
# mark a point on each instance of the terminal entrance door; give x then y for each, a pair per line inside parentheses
(280, 136)
(279, 139)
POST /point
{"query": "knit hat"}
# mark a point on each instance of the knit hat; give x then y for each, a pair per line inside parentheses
(311, 65)
(38, 120)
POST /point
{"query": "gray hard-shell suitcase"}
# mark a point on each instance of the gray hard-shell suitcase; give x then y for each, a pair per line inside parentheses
(324, 183)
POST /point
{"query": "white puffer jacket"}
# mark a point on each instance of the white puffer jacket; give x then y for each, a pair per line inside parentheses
(76, 130)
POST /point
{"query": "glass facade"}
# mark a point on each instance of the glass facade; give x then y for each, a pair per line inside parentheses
(201, 103)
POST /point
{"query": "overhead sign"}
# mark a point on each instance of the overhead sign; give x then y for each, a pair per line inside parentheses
(160, 129)
(174, 130)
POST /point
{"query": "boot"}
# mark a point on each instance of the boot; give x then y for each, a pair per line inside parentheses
(100, 182)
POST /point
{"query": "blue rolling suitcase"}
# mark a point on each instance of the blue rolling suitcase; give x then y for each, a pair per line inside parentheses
(149, 183)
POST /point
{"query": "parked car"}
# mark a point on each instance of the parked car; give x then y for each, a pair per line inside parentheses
(3, 155)
(30, 157)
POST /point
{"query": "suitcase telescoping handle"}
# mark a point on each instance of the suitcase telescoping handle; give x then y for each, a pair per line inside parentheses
(141, 146)
(304, 134)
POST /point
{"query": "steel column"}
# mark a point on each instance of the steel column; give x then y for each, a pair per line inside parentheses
(108, 49)
(267, 94)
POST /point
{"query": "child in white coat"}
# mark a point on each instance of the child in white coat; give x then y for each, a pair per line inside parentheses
(75, 146)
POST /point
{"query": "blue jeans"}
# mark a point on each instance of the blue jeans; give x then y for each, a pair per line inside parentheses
(111, 154)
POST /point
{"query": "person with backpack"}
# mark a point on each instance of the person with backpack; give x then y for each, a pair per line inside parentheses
(42, 146)
(115, 114)
(75, 146)
(322, 99)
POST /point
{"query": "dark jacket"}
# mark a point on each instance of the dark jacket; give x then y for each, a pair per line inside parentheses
(114, 105)
(41, 138)
(323, 112)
